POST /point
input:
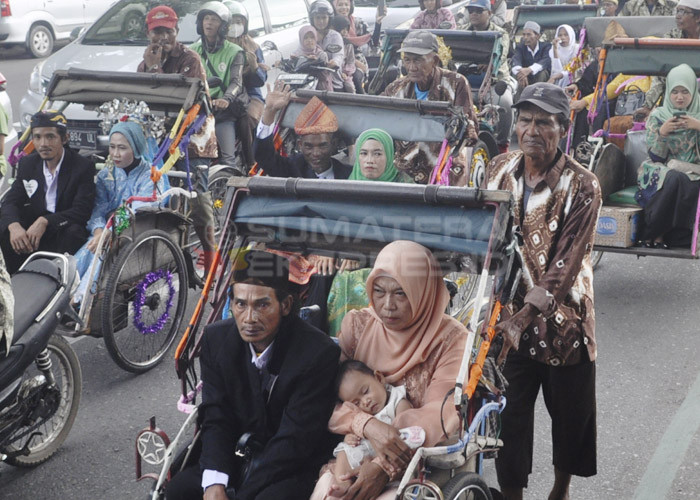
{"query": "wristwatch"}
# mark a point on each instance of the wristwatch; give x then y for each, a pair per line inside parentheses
(155, 66)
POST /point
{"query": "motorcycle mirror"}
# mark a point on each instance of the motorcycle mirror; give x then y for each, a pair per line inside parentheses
(214, 81)
(500, 88)
(269, 45)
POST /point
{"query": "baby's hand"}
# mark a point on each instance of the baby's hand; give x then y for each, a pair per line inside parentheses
(352, 440)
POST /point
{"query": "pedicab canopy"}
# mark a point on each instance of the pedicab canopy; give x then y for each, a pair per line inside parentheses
(552, 16)
(163, 93)
(634, 26)
(353, 219)
(634, 56)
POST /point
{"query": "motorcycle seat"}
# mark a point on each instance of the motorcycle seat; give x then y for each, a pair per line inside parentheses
(33, 288)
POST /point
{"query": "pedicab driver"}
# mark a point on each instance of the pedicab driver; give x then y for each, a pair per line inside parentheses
(269, 373)
(549, 330)
(50, 202)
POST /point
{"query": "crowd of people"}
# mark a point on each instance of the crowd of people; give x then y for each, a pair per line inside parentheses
(267, 372)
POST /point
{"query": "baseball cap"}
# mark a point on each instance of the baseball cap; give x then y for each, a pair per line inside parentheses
(419, 42)
(480, 4)
(532, 25)
(547, 96)
(161, 16)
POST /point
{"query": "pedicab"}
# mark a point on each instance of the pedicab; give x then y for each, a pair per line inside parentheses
(549, 17)
(466, 52)
(616, 168)
(143, 266)
(469, 230)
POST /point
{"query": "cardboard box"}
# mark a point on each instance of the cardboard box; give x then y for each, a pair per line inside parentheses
(618, 226)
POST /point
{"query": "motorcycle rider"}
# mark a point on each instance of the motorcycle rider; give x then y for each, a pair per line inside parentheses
(320, 14)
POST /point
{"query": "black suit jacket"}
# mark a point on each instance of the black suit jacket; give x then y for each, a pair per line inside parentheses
(75, 193)
(275, 165)
(293, 419)
(522, 56)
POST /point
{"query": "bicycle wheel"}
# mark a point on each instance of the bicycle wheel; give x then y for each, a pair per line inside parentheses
(61, 399)
(144, 302)
(467, 486)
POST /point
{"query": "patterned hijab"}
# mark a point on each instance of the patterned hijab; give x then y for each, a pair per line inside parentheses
(390, 173)
(395, 353)
(680, 76)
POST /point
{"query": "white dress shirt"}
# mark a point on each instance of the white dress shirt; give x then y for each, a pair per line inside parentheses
(52, 184)
(535, 67)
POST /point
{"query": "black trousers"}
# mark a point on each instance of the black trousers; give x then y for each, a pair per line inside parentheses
(569, 394)
(66, 239)
(671, 210)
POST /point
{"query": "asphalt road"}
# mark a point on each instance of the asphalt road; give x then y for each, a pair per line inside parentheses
(648, 394)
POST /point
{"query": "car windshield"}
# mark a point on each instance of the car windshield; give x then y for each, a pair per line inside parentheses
(125, 22)
(389, 3)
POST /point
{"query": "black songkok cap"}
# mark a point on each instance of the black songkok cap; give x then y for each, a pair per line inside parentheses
(263, 267)
(49, 119)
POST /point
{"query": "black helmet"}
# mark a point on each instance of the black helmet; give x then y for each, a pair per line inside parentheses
(237, 9)
(219, 10)
(320, 7)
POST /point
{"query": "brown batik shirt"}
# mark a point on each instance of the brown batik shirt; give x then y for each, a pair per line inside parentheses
(558, 229)
(418, 159)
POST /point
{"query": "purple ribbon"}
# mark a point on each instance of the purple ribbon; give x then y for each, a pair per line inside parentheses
(140, 301)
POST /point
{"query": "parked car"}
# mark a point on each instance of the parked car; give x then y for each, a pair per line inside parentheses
(398, 11)
(116, 42)
(37, 24)
(11, 138)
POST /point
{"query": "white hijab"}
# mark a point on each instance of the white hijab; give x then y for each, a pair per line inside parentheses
(566, 53)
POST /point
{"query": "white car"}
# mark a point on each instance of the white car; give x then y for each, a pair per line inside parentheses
(37, 24)
(117, 40)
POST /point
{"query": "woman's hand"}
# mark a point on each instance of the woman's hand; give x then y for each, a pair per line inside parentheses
(92, 244)
(670, 126)
(348, 265)
(371, 480)
(325, 266)
(577, 105)
(388, 444)
(689, 123)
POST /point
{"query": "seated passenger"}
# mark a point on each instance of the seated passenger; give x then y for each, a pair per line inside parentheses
(374, 158)
(433, 16)
(268, 373)
(564, 49)
(310, 49)
(669, 183)
(357, 384)
(481, 19)
(131, 177)
(531, 61)
(406, 336)
(315, 128)
(649, 8)
(427, 81)
(609, 8)
(49, 203)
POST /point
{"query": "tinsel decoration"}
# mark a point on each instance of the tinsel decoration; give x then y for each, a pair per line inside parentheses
(444, 52)
(118, 110)
(122, 220)
(140, 301)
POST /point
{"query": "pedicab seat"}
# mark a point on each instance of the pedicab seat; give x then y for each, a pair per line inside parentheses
(623, 197)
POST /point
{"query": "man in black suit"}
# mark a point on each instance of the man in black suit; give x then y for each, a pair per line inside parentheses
(531, 62)
(269, 373)
(315, 127)
(50, 202)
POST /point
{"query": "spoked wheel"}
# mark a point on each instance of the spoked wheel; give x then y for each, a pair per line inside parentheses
(421, 490)
(467, 486)
(60, 401)
(480, 159)
(596, 255)
(217, 187)
(144, 302)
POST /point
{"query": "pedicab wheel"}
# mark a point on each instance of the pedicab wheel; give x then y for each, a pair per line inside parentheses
(61, 398)
(480, 159)
(144, 302)
(421, 490)
(596, 255)
(217, 187)
(467, 486)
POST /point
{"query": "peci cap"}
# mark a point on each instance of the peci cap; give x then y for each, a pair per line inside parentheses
(480, 4)
(532, 25)
(419, 42)
(161, 16)
(261, 267)
(547, 96)
(50, 118)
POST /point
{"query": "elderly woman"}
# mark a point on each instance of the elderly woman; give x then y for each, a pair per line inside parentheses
(669, 183)
(130, 175)
(406, 336)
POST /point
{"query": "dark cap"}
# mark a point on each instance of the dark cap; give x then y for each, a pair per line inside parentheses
(480, 4)
(49, 118)
(419, 42)
(161, 16)
(267, 269)
(546, 96)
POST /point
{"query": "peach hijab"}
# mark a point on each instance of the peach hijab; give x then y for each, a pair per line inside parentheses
(394, 353)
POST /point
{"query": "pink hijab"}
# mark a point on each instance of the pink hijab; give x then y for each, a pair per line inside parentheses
(417, 271)
(302, 51)
(353, 38)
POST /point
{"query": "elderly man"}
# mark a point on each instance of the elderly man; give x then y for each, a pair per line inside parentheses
(315, 128)
(50, 202)
(480, 19)
(649, 8)
(549, 330)
(531, 61)
(268, 373)
(427, 81)
(609, 8)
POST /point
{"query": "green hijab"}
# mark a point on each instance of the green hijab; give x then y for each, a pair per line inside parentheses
(680, 76)
(390, 173)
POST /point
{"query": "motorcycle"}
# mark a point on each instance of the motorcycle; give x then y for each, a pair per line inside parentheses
(40, 376)
(297, 72)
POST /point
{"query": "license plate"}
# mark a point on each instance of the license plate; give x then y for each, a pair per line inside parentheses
(82, 139)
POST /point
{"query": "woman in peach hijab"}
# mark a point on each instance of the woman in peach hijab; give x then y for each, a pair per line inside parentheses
(406, 335)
